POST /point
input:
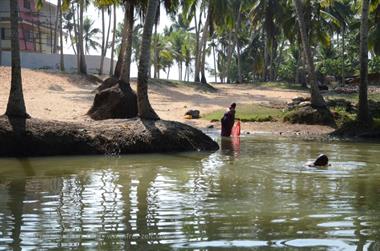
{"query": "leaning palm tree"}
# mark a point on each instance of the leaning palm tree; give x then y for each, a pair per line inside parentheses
(364, 115)
(16, 104)
(316, 97)
(145, 110)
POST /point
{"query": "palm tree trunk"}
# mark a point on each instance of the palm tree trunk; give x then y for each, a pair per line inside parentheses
(39, 31)
(265, 72)
(237, 29)
(145, 110)
(126, 72)
(108, 32)
(121, 57)
(83, 67)
(62, 63)
(51, 31)
(197, 49)
(76, 35)
(16, 104)
(271, 59)
(167, 77)
(113, 39)
(179, 70)
(55, 42)
(229, 57)
(103, 43)
(204, 44)
(343, 51)
(364, 115)
(72, 42)
(278, 63)
(156, 52)
(216, 72)
(297, 77)
(316, 97)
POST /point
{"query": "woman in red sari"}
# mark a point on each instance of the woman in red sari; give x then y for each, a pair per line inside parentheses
(228, 121)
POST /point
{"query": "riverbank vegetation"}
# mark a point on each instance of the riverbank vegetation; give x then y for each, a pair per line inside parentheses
(250, 113)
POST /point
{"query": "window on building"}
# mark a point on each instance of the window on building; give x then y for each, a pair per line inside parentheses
(27, 4)
(2, 33)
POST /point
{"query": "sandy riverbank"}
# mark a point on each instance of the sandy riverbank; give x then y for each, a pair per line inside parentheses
(67, 97)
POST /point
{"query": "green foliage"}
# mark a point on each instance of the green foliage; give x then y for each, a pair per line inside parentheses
(250, 113)
(279, 85)
(287, 70)
(90, 35)
(374, 64)
(330, 66)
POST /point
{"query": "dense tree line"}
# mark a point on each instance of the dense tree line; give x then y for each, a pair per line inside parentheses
(267, 40)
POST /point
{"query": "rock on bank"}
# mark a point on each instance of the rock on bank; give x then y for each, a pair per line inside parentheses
(34, 137)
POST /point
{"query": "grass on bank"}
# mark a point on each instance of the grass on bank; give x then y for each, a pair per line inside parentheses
(354, 97)
(280, 85)
(249, 113)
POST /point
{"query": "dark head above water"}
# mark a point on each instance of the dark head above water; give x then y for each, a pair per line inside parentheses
(322, 160)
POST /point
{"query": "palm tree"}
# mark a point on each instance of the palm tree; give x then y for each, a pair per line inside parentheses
(145, 110)
(205, 33)
(90, 35)
(177, 39)
(16, 104)
(316, 97)
(123, 47)
(265, 11)
(113, 38)
(364, 115)
(128, 26)
(62, 63)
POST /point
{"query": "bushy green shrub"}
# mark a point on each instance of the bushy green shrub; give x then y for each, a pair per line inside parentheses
(374, 64)
(287, 70)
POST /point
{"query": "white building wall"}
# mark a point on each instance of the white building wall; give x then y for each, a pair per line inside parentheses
(34, 60)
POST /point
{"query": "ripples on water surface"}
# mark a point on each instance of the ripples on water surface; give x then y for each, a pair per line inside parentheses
(253, 195)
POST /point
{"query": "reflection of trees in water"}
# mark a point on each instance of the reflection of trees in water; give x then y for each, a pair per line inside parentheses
(76, 210)
(17, 195)
(146, 227)
(193, 199)
(365, 191)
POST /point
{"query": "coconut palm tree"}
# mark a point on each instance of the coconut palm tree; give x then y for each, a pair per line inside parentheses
(82, 59)
(128, 26)
(104, 6)
(113, 38)
(265, 12)
(62, 62)
(123, 44)
(316, 97)
(145, 110)
(16, 104)
(90, 35)
(364, 115)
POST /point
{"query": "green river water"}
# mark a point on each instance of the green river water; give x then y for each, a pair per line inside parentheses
(252, 194)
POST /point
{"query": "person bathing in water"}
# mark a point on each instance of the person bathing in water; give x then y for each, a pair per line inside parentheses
(321, 161)
(228, 121)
